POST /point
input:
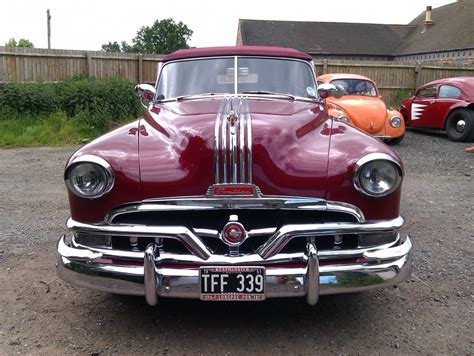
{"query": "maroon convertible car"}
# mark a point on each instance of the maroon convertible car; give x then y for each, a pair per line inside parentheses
(234, 185)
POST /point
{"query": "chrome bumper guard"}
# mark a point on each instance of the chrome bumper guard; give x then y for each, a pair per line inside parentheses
(287, 275)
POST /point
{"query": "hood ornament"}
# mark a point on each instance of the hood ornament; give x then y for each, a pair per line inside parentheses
(232, 118)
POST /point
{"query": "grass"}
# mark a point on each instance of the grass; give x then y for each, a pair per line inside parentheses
(63, 113)
(54, 129)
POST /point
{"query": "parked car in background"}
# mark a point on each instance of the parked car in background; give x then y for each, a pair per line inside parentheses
(446, 104)
(235, 184)
(362, 106)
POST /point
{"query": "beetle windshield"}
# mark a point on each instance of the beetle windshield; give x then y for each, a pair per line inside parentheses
(356, 87)
(253, 75)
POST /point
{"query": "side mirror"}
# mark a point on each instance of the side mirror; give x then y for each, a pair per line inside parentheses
(145, 91)
(326, 90)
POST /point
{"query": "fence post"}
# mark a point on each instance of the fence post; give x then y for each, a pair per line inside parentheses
(325, 66)
(417, 75)
(89, 64)
(140, 68)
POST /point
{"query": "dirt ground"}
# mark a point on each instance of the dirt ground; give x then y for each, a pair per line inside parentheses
(430, 314)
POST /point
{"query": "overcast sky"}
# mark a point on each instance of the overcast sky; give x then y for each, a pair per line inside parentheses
(87, 24)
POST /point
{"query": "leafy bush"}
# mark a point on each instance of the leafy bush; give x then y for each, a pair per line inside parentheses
(29, 98)
(97, 103)
(400, 95)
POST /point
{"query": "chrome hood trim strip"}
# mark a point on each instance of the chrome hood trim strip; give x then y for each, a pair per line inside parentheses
(233, 141)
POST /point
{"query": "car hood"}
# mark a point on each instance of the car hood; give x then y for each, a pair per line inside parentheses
(288, 156)
(367, 113)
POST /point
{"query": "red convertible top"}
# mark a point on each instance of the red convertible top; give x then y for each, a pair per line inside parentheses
(265, 51)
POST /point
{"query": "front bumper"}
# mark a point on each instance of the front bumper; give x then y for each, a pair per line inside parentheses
(287, 275)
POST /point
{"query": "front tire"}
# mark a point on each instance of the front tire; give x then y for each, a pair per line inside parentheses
(460, 125)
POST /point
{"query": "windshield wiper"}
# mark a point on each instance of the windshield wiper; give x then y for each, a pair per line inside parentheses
(269, 93)
(181, 98)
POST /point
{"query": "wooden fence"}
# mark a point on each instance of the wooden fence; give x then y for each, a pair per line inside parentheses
(31, 65)
(395, 78)
(24, 64)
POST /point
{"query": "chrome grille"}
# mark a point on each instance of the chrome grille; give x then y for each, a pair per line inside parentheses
(208, 224)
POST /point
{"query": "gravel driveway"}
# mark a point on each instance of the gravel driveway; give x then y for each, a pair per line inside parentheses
(431, 313)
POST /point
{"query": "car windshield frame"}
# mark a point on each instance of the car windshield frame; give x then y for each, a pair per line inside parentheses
(235, 58)
(360, 80)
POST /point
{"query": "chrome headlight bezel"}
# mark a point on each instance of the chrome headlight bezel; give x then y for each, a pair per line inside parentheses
(102, 166)
(372, 159)
(395, 122)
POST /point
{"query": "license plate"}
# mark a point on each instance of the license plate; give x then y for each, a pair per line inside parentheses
(232, 283)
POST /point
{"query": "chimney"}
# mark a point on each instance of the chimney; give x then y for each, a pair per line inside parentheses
(428, 21)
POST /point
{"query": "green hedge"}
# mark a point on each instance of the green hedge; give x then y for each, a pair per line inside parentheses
(95, 102)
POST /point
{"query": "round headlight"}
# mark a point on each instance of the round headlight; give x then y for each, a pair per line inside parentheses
(377, 176)
(343, 118)
(89, 179)
(395, 121)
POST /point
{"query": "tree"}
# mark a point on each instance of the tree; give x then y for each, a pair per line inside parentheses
(163, 37)
(116, 47)
(22, 42)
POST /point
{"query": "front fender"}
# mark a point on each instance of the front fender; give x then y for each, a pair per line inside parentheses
(120, 149)
(348, 145)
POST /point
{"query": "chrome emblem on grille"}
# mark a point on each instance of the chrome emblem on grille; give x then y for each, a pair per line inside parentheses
(233, 234)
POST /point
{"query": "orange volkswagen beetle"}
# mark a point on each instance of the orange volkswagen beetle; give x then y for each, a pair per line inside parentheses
(362, 106)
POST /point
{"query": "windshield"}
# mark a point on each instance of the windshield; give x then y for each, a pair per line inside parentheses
(356, 86)
(254, 74)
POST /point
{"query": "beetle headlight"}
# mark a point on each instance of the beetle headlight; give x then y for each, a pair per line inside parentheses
(377, 175)
(395, 121)
(89, 177)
